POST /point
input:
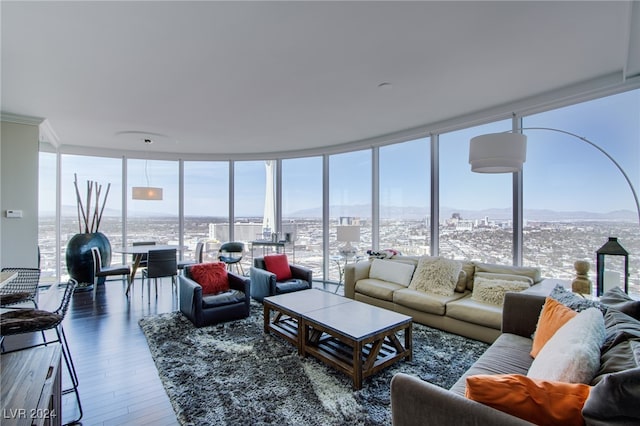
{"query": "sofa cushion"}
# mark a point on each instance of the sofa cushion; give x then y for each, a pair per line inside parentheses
(508, 277)
(424, 302)
(614, 401)
(623, 356)
(469, 268)
(492, 290)
(392, 271)
(289, 286)
(470, 310)
(573, 353)
(229, 297)
(461, 284)
(436, 275)
(509, 354)
(618, 328)
(618, 299)
(534, 273)
(537, 401)
(553, 316)
(377, 288)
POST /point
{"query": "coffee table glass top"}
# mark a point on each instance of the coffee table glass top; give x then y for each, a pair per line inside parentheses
(306, 300)
(357, 320)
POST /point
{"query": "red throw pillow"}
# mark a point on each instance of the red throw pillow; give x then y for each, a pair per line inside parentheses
(211, 276)
(279, 265)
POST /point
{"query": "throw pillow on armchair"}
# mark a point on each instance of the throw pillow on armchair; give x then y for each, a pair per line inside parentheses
(211, 276)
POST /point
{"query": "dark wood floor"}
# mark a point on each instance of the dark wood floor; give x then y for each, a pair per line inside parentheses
(119, 383)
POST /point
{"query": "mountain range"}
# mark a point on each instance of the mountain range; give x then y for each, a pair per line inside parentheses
(417, 213)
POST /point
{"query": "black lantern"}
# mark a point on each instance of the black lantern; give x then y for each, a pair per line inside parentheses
(611, 248)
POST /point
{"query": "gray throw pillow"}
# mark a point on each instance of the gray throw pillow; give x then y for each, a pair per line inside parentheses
(614, 401)
(618, 328)
(574, 301)
(624, 356)
(618, 299)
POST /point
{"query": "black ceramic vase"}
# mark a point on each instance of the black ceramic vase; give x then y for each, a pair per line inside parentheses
(79, 259)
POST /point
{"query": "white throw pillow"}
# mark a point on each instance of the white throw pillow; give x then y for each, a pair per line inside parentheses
(436, 275)
(573, 353)
(493, 290)
(392, 271)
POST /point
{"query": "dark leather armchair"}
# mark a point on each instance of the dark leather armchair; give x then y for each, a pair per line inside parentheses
(210, 309)
(263, 282)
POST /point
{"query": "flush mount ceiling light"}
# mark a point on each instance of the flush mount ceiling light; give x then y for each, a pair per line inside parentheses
(146, 192)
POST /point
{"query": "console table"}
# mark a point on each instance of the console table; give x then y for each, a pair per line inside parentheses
(280, 247)
(31, 386)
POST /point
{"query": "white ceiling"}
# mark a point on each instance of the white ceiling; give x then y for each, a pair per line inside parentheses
(266, 77)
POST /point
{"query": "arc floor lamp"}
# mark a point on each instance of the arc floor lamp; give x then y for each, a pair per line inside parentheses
(506, 153)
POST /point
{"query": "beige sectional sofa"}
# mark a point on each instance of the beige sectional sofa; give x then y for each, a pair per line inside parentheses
(385, 283)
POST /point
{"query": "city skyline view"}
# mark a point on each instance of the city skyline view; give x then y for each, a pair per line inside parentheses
(574, 198)
(560, 162)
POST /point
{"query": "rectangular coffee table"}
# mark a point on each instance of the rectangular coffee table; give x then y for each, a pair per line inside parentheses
(350, 336)
(287, 309)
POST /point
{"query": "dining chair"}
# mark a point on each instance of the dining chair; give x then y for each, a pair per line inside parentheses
(106, 271)
(143, 257)
(23, 288)
(21, 321)
(199, 253)
(231, 253)
(160, 263)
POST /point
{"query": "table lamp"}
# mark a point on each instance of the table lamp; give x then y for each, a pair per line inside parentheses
(347, 234)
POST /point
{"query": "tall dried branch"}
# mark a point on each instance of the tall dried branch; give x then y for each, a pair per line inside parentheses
(82, 218)
(90, 213)
(104, 203)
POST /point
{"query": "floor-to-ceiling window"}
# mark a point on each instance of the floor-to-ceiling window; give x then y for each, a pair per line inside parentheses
(206, 207)
(47, 216)
(476, 212)
(574, 196)
(302, 210)
(405, 173)
(105, 172)
(349, 208)
(250, 189)
(153, 220)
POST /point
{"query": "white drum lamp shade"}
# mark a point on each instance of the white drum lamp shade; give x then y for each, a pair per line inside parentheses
(497, 153)
(146, 193)
(348, 233)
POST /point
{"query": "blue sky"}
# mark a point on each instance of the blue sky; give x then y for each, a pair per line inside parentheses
(561, 173)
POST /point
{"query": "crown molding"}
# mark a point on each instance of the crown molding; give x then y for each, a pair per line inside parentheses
(21, 119)
(47, 134)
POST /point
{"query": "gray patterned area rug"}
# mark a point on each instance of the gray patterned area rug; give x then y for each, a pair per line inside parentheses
(234, 374)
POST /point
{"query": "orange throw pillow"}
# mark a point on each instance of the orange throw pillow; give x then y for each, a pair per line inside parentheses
(538, 401)
(553, 316)
(278, 264)
(212, 277)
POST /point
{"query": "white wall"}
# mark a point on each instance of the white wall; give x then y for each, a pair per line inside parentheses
(19, 191)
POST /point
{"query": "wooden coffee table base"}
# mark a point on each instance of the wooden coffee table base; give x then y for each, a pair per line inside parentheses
(283, 324)
(357, 358)
(353, 337)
